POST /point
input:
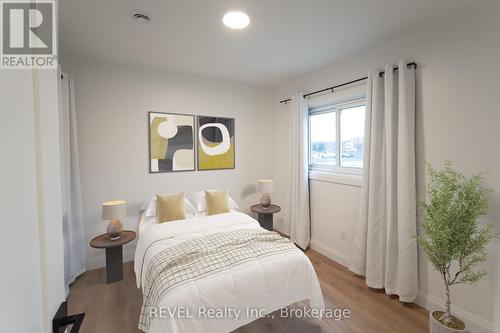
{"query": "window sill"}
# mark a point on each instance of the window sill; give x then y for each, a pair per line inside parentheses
(343, 178)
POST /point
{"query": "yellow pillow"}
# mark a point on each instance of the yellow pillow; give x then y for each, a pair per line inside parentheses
(170, 207)
(217, 202)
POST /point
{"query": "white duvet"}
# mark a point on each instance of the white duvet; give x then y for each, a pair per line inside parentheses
(259, 286)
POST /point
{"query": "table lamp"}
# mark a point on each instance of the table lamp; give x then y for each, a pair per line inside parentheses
(265, 187)
(113, 211)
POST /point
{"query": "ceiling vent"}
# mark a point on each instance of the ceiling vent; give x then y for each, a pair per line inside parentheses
(141, 18)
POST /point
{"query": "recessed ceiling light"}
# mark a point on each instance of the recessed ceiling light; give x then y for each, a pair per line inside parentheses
(236, 20)
(141, 18)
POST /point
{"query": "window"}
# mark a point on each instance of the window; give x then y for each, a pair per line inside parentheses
(352, 135)
(336, 137)
(323, 138)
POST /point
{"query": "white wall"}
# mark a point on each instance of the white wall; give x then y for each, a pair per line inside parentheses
(497, 293)
(458, 116)
(112, 102)
(19, 205)
(46, 95)
(334, 208)
(31, 282)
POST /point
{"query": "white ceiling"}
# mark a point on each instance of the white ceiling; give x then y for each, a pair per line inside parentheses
(285, 37)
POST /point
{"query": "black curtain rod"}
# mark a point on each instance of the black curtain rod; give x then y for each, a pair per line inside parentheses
(410, 65)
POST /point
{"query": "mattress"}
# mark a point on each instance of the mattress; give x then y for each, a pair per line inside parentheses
(255, 288)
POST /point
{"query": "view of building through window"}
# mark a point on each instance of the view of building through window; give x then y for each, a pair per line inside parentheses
(323, 138)
(352, 135)
(323, 128)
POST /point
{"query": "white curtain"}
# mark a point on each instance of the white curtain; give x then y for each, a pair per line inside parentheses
(73, 231)
(384, 248)
(297, 212)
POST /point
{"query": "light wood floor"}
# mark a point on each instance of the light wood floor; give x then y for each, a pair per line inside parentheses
(115, 307)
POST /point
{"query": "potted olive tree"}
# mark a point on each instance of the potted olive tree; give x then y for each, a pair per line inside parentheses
(452, 237)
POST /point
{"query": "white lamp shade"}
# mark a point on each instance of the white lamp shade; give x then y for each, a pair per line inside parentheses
(265, 185)
(114, 210)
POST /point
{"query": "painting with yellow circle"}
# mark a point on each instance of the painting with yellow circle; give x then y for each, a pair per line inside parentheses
(216, 143)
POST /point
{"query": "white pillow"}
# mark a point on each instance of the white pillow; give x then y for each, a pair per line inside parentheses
(200, 204)
(151, 208)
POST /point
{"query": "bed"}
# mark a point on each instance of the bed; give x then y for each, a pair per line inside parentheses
(227, 286)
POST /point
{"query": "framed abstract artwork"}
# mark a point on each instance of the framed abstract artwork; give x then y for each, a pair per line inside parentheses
(171, 142)
(216, 143)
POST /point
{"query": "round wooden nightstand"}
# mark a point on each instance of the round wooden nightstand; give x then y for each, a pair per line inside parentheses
(114, 253)
(265, 215)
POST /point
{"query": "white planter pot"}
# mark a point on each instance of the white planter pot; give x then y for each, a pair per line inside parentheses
(436, 327)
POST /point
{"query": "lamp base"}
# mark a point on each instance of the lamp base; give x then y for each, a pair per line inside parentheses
(114, 229)
(265, 200)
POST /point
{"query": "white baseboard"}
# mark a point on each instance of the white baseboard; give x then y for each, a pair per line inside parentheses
(475, 324)
(330, 252)
(99, 260)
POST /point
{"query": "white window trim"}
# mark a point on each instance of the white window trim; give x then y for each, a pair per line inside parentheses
(340, 171)
(341, 178)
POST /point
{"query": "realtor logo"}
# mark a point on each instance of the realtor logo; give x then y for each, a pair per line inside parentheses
(28, 37)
